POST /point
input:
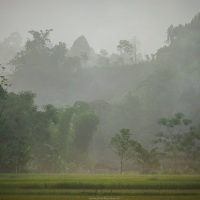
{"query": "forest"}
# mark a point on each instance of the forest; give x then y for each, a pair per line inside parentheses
(71, 110)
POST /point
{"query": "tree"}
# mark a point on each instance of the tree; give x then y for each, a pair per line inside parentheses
(37, 53)
(64, 126)
(103, 60)
(4, 85)
(130, 48)
(23, 132)
(4, 149)
(170, 34)
(58, 53)
(38, 62)
(172, 134)
(43, 136)
(76, 128)
(84, 125)
(3, 92)
(15, 131)
(124, 47)
(191, 146)
(173, 33)
(121, 145)
(149, 159)
(135, 43)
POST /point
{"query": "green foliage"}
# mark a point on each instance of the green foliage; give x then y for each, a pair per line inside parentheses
(36, 51)
(23, 131)
(76, 128)
(121, 145)
(149, 159)
(173, 134)
(40, 61)
(64, 130)
(15, 131)
(191, 146)
(3, 89)
(121, 141)
(125, 46)
(84, 125)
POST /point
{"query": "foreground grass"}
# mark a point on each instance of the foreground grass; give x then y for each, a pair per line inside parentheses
(74, 186)
(96, 198)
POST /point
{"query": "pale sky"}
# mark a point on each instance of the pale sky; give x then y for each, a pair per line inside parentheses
(102, 22)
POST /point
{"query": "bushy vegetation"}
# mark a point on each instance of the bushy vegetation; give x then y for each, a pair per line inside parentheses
(44, 139)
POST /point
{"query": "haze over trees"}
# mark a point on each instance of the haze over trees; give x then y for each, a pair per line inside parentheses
(66, 105)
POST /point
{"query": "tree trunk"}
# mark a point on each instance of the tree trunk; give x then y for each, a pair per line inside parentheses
(121, 164)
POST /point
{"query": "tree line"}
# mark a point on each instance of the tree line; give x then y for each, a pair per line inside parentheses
(177, 136)
(42, 139)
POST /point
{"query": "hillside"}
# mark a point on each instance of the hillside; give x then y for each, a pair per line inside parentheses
(59, 72)
(167, 84)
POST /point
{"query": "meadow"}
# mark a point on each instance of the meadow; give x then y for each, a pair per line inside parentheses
(99, 187)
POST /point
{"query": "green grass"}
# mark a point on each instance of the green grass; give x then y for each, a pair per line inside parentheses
(16, 197)
(102, 187)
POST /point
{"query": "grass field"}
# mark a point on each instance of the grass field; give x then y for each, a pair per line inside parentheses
(99, 187)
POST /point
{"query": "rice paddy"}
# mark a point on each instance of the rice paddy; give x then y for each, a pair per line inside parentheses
(99, 187)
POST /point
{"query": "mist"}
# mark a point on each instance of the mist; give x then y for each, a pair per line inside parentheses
(78, 76)
(103, 23)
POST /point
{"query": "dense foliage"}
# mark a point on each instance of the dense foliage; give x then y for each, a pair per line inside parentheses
(33, 138)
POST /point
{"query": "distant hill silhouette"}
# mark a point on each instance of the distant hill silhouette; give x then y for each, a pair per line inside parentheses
(79, 46)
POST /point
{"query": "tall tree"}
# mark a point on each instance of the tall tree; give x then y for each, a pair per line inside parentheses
(84, 126)
(135, 43)
(3, 92)
(124, 47)
(121, 145)
(15, 131)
